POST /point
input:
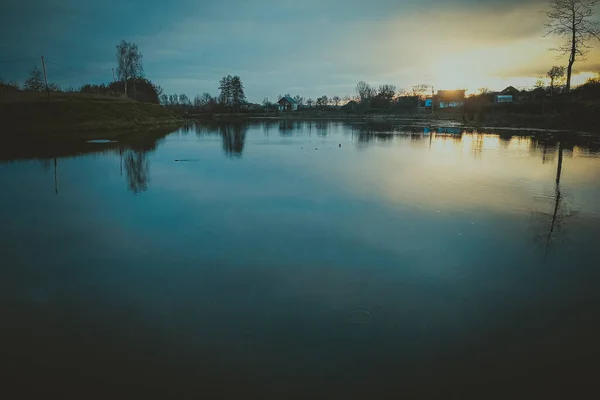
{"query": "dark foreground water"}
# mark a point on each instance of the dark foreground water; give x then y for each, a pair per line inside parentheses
(302, 260)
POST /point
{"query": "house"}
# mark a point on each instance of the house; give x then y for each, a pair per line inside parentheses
(286, 103)
(507, 95)
(450, 98)
(503, 98)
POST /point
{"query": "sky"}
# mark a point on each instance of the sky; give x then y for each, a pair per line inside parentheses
(305, 47)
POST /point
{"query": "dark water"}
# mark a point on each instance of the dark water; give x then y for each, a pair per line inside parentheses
(267, 261)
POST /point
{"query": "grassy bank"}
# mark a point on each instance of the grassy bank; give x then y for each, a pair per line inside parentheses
(76, 115)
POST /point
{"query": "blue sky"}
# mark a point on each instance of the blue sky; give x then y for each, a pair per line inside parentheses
(306, 47)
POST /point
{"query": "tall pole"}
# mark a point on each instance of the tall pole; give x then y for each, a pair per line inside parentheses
(432, 99)
(45, 77)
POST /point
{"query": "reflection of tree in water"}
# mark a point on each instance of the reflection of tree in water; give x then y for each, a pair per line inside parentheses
(321, 127)
(552, 222)
(137, 169)
(286, 127)
(234, 136)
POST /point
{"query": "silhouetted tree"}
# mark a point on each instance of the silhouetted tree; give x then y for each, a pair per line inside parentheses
(336, 100)
(238, 96)
(225, 98)
(299, 100)
(420, 91)
(145, 90)
(573, 20)
(184, 100)
(54, 87)
(35, 81)
(322, 101)
(129, 62)
(365, 91)
(555, 73)
(309, 102)
(164, 99)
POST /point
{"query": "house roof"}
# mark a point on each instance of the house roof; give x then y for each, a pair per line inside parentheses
(287, 99)
(510, 90)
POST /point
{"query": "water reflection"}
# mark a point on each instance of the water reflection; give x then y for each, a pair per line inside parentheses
(233, 134)
(137, 168)
(276, 262)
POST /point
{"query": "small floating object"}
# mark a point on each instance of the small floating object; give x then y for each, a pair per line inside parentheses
(340, 145)
(360, 317)
(101, 141)
(316, 148)
(186, 160)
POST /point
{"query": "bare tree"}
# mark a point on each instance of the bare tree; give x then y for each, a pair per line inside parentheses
(336, 100)
(387, 92)
(129, 62)
(420, 91)
(555, 74)
(572, 20)
(309, 102)
(184, 100)
(299, 100)
(322, 101)
(35, 81)
(365, 91)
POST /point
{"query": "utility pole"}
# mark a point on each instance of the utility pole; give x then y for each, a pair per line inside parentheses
(432, 99)
(45, 77)
(113, 71)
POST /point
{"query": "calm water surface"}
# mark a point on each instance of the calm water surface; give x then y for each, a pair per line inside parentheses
(302, 260)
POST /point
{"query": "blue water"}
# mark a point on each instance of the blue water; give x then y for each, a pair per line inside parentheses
(302, 260)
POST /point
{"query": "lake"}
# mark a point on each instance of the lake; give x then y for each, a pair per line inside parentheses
(286, 259)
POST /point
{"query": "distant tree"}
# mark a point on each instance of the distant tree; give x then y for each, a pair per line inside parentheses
(336, 100)
(420, 91)
(238, 96)
(10, 85)
(299, 100)
(35, 81)
(145, 90)
(484, 90)
(364, 91)
(164, 100)
(346, 99)
(310, 102)
(226, 96)
(129, 62)
(574, 21)
(184, 100)
(555, 74)
(594, 80)
(540, 83)
(207, 98)
(322, 101)
(173, 99)
(54, 87)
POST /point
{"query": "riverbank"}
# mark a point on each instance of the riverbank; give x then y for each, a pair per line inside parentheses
(80, 116)
(577, 117)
